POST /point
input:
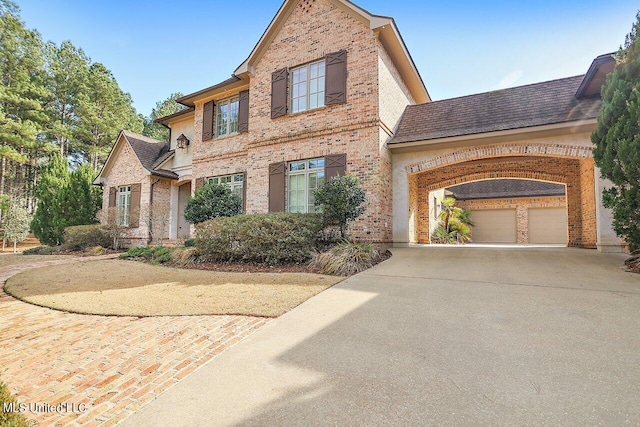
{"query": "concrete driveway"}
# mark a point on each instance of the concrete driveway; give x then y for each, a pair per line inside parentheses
(436, 336)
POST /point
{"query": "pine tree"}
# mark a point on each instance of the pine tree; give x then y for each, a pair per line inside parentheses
(48, 222)
(617, 139)
(162, 109)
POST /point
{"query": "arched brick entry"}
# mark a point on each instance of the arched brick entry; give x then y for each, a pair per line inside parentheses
(576, 173)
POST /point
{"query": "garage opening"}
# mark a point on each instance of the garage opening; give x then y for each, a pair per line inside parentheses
(511, 211)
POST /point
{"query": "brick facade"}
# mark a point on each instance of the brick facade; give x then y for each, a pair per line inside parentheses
(574, 173)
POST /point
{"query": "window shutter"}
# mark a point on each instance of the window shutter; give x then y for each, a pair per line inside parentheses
(244, 192)
(199, 183)
(113, 193)
(276, 186)
(335, 165)
(336, 75)
(134, 218)
(279, 86)
(208, 121)
(243, 111)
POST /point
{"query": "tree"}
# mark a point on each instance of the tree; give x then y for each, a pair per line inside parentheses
(212, 201)
(110, 219)
(341, 201)
(156, 217)
(162, 109)
(454, 224)
(617, 139)
(16, 224)
(47, 224)
(104, 110)
(79, 201)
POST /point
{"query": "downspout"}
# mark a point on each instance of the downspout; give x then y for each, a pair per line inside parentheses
(150, 236)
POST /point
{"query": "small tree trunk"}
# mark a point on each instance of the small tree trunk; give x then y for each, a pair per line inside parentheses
(15, 245)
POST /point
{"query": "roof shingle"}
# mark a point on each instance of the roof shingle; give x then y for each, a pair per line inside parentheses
(519, 107)
(149, 151)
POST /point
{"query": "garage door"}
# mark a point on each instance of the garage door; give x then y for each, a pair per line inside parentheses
(494, 226)
(548, 225)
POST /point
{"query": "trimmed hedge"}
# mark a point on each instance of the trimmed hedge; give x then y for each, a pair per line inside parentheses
(81, 237)
(275, 238)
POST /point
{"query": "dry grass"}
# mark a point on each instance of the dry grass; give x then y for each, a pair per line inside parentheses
(17, 259)
(10, 419)
(127, 288)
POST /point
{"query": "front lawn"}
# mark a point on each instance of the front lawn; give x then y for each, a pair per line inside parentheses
(125, 288)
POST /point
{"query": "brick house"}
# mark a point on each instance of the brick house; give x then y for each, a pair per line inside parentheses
(331, 88)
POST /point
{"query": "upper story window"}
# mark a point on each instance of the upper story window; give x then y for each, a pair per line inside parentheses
(307, 87)
(304, 178)
(227, 117)
(124, 205)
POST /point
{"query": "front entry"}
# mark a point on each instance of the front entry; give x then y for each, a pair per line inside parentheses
(184, 193)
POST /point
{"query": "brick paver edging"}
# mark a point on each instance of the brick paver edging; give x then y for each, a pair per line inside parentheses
(101, 368)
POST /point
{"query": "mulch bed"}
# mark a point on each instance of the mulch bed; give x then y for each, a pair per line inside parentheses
(247, 268)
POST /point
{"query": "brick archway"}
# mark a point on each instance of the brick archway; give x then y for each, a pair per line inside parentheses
(576, 173)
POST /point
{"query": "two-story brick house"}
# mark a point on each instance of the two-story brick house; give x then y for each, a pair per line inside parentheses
(331, 88)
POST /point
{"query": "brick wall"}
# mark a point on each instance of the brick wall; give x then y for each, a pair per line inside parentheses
(571, 172)
(520, 204)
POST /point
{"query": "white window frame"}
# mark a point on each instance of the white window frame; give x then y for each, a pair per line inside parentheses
(304, 168)
(307, 84)
(235, 182)
(231, 126)
(124, 205)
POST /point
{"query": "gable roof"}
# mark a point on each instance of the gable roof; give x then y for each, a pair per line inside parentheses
(385, 26)
(596, 76)
(147, 150)
(537, 104)
(501, 188)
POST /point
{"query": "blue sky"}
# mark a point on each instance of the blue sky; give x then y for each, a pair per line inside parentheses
(460, 47)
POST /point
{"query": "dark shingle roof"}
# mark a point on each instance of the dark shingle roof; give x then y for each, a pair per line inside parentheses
(149, 151)
(519, 107)
(499, 188)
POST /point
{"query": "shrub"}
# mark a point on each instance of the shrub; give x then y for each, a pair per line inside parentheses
(155, 254)
(185, 257)
(40, 250)
(346, 258)
(212, 201)
(274, 238)
(81, 237)
(340, 200)
(189, 243)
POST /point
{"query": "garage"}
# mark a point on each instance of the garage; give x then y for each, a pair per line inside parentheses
(494, 226)
(548, 226)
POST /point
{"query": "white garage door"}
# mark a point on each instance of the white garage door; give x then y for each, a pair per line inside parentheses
(548, 225)
(494, 226)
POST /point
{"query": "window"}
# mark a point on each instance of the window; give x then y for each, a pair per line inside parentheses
(307, 87)
(124, 205)
(304, 177)
(227, 117)
(234, 182)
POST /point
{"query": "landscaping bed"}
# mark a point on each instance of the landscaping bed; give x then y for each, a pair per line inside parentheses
(124, 288)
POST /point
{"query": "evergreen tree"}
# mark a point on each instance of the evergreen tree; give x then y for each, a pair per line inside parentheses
(212, 201)
(48, 221)
(341, 201)
(16, 223)
(617, 139)
(104, 110)
(162, 109)
(79, 201)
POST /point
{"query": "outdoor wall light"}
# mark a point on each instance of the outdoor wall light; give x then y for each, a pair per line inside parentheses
(183, 142)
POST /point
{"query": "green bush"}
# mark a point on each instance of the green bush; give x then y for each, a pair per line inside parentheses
(155, 254)
(346, 258)
(212, 201)
(341, 201)
(274, 238)
(40, 250)
(81, 237)
(189, 243)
